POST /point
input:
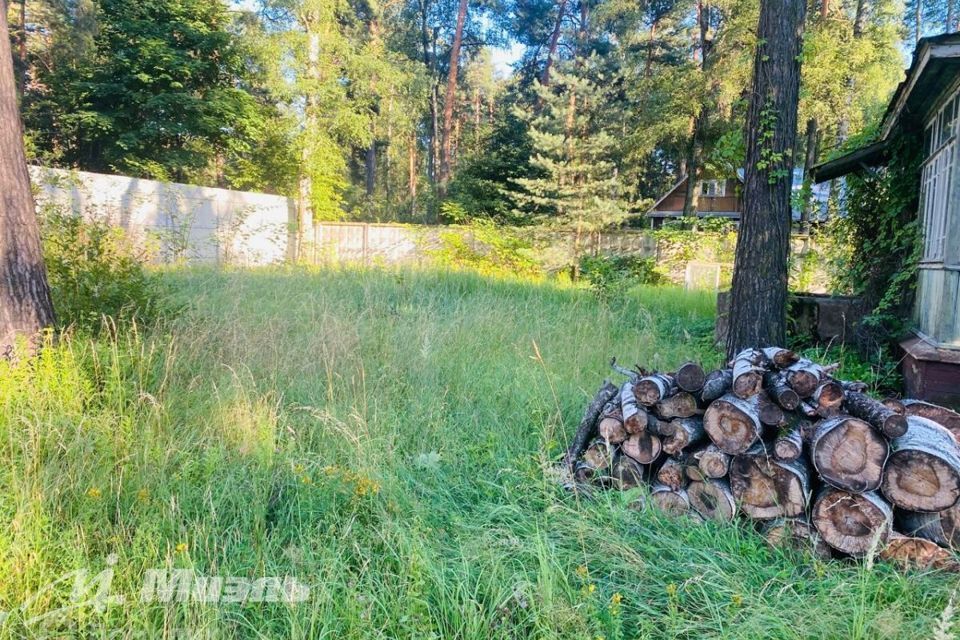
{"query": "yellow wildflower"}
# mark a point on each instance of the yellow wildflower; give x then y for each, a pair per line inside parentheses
(93, 492)
(305, 479)
(582, 571)
(737, 600)
(182, 547)
(616, 598)
(592, 588)
(671, 589)
(143, 495)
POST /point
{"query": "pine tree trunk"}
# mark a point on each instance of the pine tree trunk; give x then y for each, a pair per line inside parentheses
(412, 170)
(371, 169)
(759, 294)
(554, 40)
(25, 304)
(432, 120)
(448, 103)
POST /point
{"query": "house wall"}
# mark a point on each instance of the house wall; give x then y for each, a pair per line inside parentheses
(673, 203)
(937, 310)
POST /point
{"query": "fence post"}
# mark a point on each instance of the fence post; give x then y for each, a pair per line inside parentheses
(366, 242)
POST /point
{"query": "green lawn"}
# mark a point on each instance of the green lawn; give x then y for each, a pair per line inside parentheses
(386, 438)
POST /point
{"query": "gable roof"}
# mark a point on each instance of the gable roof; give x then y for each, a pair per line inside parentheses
(934, 68)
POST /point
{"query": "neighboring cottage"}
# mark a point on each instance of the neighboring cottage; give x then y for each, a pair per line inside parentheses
(927, 103)
(723, 198)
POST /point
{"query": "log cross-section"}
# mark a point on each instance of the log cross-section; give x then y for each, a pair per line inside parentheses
(853, 523)
(733, 423)
(848, 453)
(923, 473)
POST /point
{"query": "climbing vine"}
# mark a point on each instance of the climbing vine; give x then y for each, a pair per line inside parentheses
(877, 244)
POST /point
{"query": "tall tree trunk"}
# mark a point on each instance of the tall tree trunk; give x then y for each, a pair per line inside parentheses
(305, 186)
(428, 62)
(758, 298)
(824, 8)
(25, 304)
(451, 95)
(809, 161)
(691, 198)
(370, 164)
(412, 169)
(554, 40)
(22, 80)
(648, 67)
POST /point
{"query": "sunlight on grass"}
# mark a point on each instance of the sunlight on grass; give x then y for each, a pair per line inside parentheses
(383, 437)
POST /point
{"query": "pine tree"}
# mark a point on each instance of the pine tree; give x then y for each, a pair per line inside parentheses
(575, 151)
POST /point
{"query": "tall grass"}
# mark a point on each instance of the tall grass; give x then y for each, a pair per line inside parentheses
(387, 439)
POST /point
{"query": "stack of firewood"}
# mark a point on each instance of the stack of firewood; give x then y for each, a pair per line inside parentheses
(813, 460)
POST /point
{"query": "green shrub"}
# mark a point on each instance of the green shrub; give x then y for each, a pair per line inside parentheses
(95, 272)
(606, 274)
(486, 248)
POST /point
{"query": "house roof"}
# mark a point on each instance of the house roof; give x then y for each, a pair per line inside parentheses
(935, 67)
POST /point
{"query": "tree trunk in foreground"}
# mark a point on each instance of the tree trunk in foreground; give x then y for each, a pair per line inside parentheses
(25, 304)
(446, 140)
(758, 298)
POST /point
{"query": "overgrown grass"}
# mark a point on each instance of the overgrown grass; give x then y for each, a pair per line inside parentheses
(386, 438)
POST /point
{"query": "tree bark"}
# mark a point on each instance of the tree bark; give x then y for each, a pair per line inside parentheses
(554, 40)
(653, 388)
(942, 527)
(885, 420)
(25, 304)
(758, 298)
(448, 103)
(686, 432)
(941, 415)
(717, 384)
(588, 425)
(371, 169)
(776, 385)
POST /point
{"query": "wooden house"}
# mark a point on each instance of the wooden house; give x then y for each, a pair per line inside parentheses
(723, 198)
(720, 198)
(927, 103)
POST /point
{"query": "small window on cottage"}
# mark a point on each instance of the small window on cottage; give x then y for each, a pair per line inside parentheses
(713, 188)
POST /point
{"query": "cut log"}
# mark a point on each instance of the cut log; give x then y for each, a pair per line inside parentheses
(768, 411)
(776, 385)
(713, 462)
(808, 410)
(917, 553)
(673, 502)
(627, 472)
(890, 423)
(659, 427)
(634, 417)
(717, 384)
(765, 488)
(780, 357)
(795, 533)
(804, 377)
(690, 377)
(789, 443)
(672, 473)
(894, 404)
(849, 453)
(687, 432)
(679, 405)
(652, 389)
(644, 447)
(852, 523)
(612, 430)
(946, 418)
(942, 527)
(712, 499)
(854, 385)
(828, 398)
(588, 425)
(748, 369)
(732, 423)
(599, 455)
(923, 472)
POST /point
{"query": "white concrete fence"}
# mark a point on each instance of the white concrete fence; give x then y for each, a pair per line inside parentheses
(190, 224)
